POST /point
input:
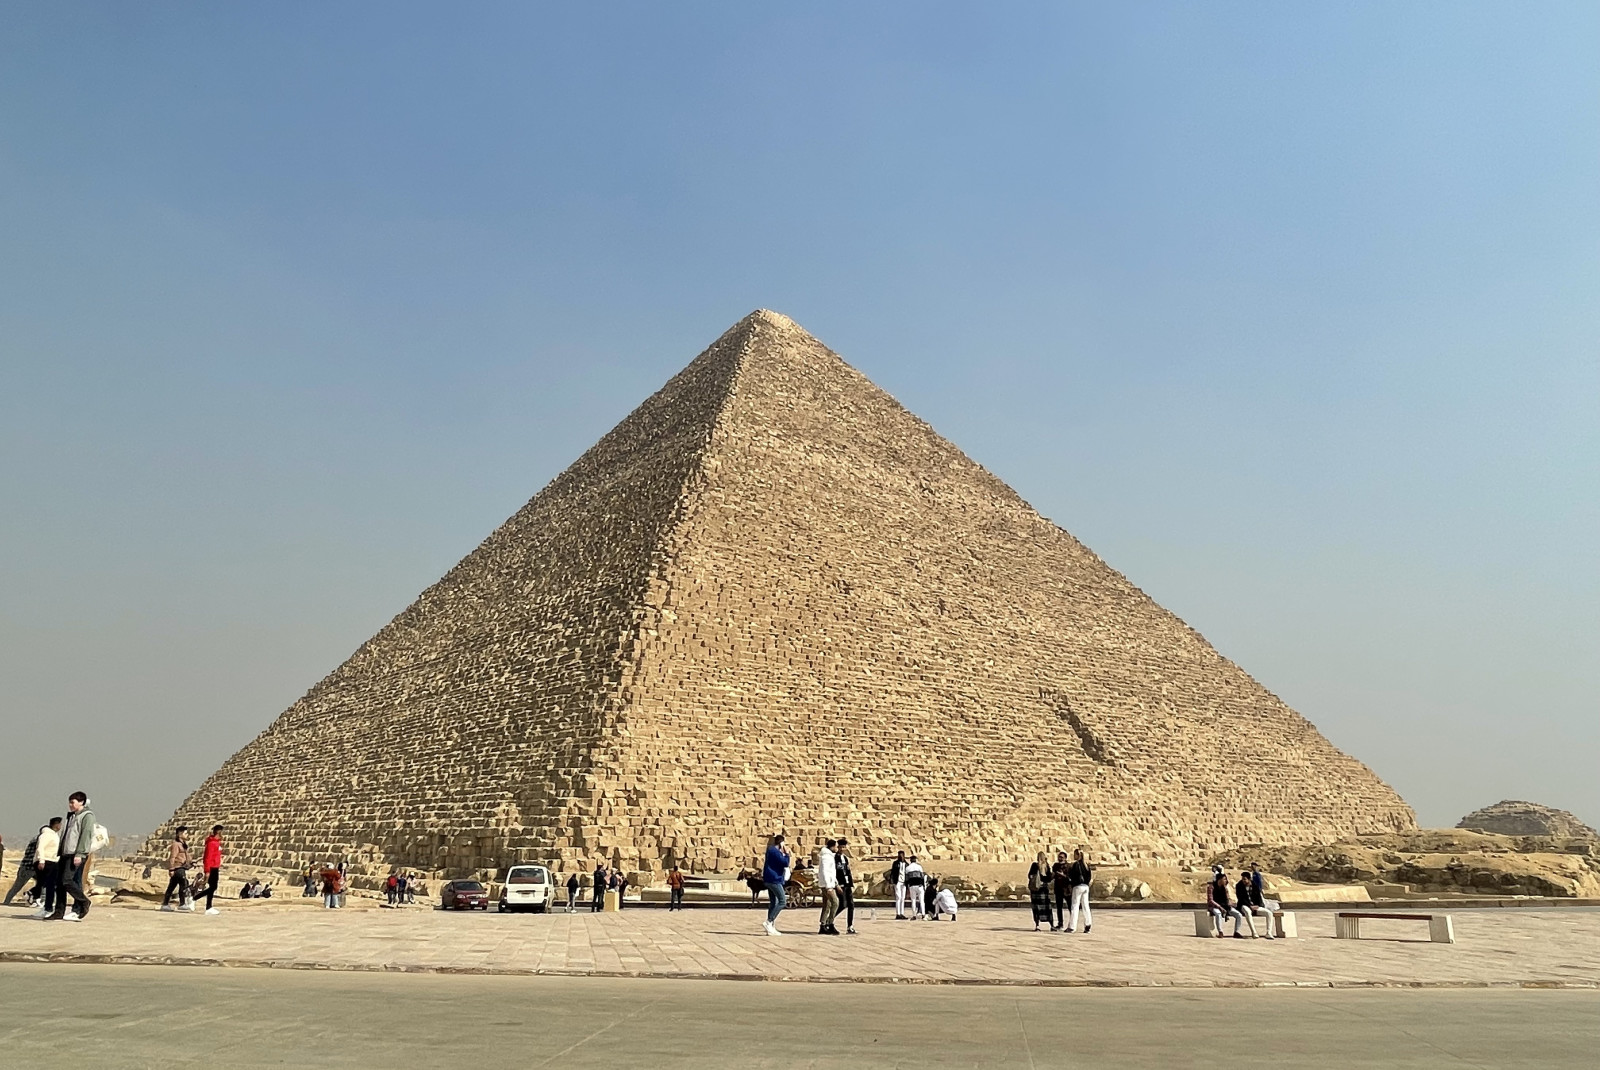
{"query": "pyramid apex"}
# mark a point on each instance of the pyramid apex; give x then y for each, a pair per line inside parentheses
(775, 319)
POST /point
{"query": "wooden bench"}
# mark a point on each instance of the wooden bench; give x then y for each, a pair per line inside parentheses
(1347, 924)
(1283, 924)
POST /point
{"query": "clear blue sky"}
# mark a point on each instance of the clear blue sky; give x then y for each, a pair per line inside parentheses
(1288, 311)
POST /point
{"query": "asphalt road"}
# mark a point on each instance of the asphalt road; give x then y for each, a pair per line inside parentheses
(138, 1016)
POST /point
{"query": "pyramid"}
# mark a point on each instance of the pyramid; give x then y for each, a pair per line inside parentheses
(773, 599)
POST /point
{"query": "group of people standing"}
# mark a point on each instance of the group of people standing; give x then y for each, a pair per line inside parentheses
(1068, 882)
(57, 861)
(400, 888)
(606, 879)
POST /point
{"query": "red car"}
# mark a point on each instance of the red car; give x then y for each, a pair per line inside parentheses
(464, 895)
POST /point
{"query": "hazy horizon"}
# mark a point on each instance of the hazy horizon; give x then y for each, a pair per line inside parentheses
(1289, 315)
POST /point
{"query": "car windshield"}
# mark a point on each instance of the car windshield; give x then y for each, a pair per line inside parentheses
(529, 875)
(467, 886)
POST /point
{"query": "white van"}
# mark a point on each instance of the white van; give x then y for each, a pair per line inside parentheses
(528, 888)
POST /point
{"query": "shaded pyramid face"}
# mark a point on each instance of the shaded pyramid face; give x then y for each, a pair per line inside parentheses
(773, 599)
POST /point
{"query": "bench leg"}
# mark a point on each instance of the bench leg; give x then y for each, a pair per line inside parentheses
(1287, 929)
(1441, 930)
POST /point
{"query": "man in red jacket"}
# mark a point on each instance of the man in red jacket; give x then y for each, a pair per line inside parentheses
(213, 866)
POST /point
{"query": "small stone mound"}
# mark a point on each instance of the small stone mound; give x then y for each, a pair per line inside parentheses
(1513, 817)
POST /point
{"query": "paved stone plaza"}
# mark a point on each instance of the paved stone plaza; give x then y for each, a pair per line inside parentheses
(1553, 947)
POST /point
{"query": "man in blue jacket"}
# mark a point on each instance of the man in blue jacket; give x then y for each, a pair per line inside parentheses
(774, 872)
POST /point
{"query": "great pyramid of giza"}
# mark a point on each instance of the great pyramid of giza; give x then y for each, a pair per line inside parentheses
(771, 598)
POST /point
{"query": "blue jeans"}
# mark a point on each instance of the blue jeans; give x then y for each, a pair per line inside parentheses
(777, 899)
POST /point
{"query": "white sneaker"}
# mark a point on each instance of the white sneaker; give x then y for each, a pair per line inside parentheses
(212, 910)
(167, 907)
(69, 916)
(771, 929)
(188, 907)
(40, 911)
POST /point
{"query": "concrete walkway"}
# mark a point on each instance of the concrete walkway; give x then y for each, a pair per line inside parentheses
(1548, 948)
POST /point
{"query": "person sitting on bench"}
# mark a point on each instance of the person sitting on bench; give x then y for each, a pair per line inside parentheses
(1241, 893)
(1252, 901)
(1217, 902)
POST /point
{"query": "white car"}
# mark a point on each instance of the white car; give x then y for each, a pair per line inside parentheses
(528, 888)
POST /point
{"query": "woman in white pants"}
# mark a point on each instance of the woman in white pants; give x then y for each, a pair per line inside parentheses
(1079, 877)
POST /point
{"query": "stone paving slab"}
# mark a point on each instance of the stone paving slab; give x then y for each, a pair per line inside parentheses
(1533, 948)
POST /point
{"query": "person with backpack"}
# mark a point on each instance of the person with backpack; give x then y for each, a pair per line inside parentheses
(178, 862)
(77, 841)
(213, 867)
(675, 889)
(27, 868)
(391, 888)
(914, 879)
(1079, 877)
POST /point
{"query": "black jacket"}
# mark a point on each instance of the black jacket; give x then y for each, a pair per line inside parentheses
(847, 882)
(1078, 873)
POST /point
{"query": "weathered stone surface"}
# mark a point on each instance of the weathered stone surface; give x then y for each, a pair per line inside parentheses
(1512, 817)
(773, 598)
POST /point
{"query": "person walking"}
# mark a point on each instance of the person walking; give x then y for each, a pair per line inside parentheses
(212, 863)
(774, 874)
(1039, 891)
(26, 870)
(828, 885)
(897, 878)
(914, 878)
(847, 885)
(675, 889)
(47, 868)
(572, 893)
(1079, 877)
(77, 839)
(178, 862)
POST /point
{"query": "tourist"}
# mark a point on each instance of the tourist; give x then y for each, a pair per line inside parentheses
(914, 879)
(1258, 899)
(402, 888)
(620, 879)
(179, 859)
(847, 885)
(391, 889)
(310, 887)
(414, 885)
(599, 888)
(675, 889)
(332, 887)
(774, 874)
(828, 884)
(28, 866)
(573, 884)
(944, 903)
(212, 863)
(1244, 893)
(77, 839)
(930, 895)
(1039, 891)
(1061, 885)
(1218, 905)
(1079, 877)
(47, 867)
(897, 878)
